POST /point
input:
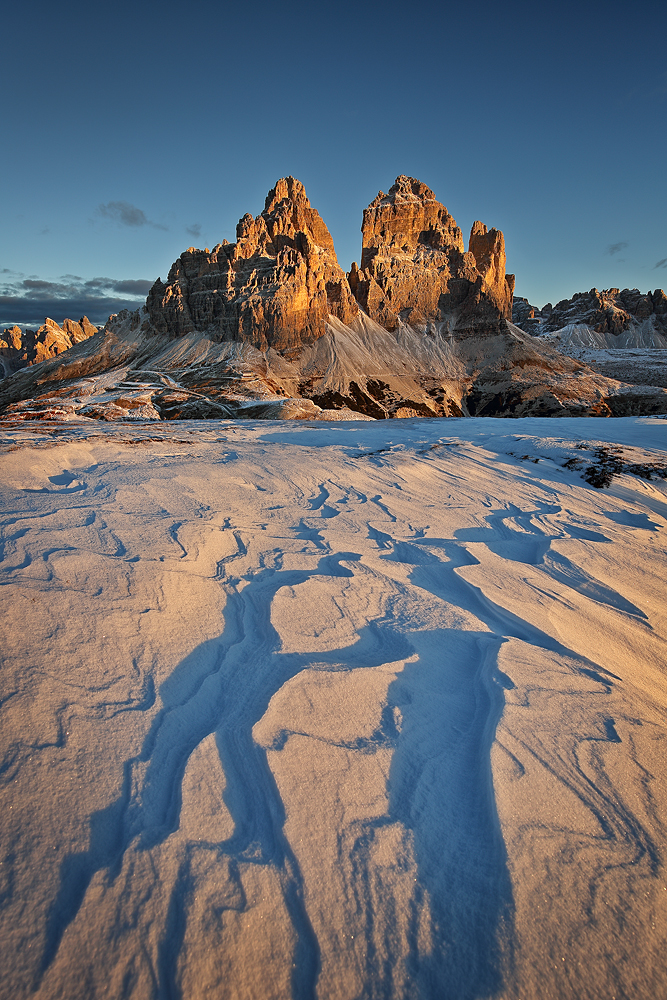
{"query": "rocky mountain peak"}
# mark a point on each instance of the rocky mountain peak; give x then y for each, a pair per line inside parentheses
(286, 189)
(23, 348)
(288, 211)
(414, 266)
(274, 329)
(275, 287)
(488, 248)
(279, 283)
(608, 314)
(405, 218)
(404, 188)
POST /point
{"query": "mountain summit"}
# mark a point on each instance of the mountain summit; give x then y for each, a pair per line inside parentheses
(275, 287)
(414, 266)
(271, 326)
(279, 283)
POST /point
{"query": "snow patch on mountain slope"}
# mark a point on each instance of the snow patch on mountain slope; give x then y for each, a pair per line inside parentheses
(579, 335)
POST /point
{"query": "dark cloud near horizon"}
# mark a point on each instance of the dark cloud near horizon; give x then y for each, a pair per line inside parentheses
(133, 287)
(27, 302)
(661, 263)
(194, 230)
(126, 214)
(16, 311)
(616, 247)
(71, 285)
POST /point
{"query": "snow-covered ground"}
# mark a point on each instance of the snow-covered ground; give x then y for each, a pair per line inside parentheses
(638, 365)
(636, 355)
(354, 710)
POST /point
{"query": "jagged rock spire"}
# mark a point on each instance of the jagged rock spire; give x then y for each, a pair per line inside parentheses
(275, 287)
(414, 265)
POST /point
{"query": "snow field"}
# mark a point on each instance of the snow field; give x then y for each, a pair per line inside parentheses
(336, 711)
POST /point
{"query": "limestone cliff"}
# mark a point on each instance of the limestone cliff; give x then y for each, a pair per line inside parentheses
(414, 266)
(275, 287)
(271, 326)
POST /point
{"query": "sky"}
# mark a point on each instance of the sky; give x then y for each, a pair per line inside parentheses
(131, 131)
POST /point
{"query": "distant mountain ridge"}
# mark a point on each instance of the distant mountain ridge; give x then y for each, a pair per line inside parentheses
(612, 318)
(271, 326)
(21, 348)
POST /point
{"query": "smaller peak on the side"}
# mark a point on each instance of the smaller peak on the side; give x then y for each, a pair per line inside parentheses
(410, 187)
(378, 199)
(478, 229)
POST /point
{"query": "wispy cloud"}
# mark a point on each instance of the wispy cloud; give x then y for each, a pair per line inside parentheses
(661, 263)
(26, 301)
(614, 248)
(126, 214)
(194, 230)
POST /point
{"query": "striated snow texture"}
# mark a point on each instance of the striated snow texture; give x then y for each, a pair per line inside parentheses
(352, 710)
(578, 335)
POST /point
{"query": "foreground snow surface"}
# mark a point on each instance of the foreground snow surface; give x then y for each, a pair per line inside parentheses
(366, 710)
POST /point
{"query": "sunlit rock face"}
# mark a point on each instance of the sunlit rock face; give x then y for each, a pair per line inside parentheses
(414, 267)
(271, 327)
(275, 287)
(22, 348)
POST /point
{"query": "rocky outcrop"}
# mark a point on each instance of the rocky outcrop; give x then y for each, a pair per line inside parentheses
(408, 217)
(275, 287)
(618, 334)
(271, 327)
(278, 284)
(414, 267)
(524, 315)
(22, 348)
(611, 312)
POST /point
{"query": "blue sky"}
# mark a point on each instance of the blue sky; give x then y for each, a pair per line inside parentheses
(134, 130)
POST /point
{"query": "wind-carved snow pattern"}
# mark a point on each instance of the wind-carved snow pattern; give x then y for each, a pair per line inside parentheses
(304, 714)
